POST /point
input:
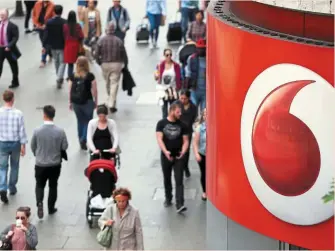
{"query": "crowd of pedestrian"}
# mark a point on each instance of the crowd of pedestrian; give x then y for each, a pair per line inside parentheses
(70, 43)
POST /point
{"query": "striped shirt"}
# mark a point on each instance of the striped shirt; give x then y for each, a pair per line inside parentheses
(12, 126)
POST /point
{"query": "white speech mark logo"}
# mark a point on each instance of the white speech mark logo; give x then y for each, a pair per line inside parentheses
(288, 142)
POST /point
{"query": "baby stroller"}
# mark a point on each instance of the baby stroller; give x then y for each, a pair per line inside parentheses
(102, 174)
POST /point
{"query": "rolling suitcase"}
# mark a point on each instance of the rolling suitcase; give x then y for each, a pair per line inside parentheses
(142, 32)
(175, 33)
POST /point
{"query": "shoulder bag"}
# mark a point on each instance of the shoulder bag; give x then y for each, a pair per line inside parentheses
(105, 236)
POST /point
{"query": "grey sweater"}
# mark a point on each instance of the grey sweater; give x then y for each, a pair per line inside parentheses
(31, 235)
(47, 143)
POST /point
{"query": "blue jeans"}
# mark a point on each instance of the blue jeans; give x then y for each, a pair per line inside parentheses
(47, 49)
(198, 98)
(155, 21)
(70, 68)
(187, 16)
(84, 114)
(9, 150)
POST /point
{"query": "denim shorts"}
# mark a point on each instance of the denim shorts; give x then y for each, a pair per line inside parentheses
(82, 3)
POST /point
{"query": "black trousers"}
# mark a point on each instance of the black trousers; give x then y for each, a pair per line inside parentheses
(187, 154)
(12, 63)
(177, 165)
(29, 8)
(202, 166)
(42, 175)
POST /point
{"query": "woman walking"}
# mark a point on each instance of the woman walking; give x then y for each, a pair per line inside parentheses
(23, 234)
(83, 95)
(125, 222)
(197, 29)
(92, 23)
(102, 135)
(73, 36)
(156, 13)
(199, 147)
(168, 76)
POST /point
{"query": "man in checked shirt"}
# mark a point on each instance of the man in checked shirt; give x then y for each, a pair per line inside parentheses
(112, 56)
(13, 140)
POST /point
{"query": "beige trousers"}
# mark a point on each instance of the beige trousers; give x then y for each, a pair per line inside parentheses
(112, 74)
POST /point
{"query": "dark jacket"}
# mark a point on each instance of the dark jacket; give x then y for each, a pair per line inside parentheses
(188, 116)
(53, 33)
(12, 38)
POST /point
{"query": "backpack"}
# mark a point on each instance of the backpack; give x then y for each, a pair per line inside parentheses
(79, 93)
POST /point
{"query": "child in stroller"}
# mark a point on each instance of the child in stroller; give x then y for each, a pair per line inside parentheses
(103, 177)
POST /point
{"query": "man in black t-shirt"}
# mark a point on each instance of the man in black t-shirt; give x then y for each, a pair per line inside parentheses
(172, 137)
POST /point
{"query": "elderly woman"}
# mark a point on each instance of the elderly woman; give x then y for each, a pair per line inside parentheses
(125, 222)
(23, 234)
(102, 135)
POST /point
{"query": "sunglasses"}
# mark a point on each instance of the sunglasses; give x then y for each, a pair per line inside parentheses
(168, 55)
(20, 218)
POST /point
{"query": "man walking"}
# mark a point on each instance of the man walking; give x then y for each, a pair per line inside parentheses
(54, 39)
(13, 140)
(9, 35)
(112, 56)
(42, 12)
(195, 72)
(119, 16)
(172, 137)
(47, 144)
(189, 113)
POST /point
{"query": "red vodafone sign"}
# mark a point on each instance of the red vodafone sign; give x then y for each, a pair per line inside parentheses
(285, 132)
(271, 134)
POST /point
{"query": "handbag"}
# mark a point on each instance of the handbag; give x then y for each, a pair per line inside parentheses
(163, 19)
(6, 243)
(105, 236)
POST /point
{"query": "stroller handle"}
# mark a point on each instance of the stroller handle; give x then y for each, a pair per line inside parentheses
(105, 151)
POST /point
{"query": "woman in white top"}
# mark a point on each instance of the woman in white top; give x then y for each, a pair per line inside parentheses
(92, 23)
(168, 76)
(102, 135)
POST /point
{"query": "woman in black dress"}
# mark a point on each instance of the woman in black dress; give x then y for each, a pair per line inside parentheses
(102, 135)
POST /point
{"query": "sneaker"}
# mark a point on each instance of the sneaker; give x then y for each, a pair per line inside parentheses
(181, 209)
(83, 146)
(167, 203)
(59, 83)
(3, 197)
(40, 212)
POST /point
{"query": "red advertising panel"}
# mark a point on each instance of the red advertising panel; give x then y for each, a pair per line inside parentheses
(271, 134)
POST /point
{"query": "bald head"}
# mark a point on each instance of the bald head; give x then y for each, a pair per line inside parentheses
(3, 14)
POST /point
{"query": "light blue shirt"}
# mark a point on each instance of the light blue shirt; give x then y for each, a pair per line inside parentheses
(202, 143)
(191, 4)
(156, 7)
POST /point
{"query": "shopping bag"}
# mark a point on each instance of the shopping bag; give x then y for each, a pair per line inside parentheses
(105, 237)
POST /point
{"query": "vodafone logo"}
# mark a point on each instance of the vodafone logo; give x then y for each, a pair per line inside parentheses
(288, 142)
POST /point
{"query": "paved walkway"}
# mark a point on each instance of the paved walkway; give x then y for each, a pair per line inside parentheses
(140, 171)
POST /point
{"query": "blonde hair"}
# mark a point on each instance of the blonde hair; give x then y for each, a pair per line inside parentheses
(200, 119)
(82, 66)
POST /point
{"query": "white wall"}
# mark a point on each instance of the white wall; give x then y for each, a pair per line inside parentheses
(321, 6)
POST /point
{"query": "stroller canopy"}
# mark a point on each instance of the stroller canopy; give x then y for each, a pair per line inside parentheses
(107, 165)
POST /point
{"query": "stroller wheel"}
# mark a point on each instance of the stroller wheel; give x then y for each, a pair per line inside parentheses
(90, 223)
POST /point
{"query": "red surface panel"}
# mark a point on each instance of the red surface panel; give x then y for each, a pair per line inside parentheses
(287, 152)
(293, 22)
